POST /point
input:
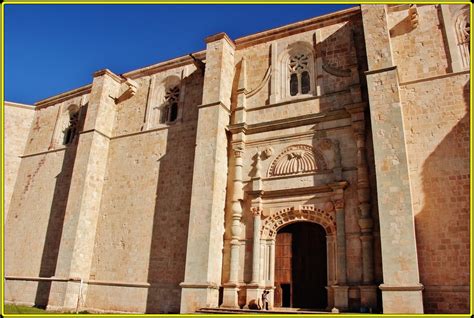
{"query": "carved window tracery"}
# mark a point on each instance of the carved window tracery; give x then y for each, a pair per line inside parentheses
(170, 110)
(300, 82)
(296, 71)
(463, 35)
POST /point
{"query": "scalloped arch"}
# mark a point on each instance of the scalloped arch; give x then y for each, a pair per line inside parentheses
(297, 159)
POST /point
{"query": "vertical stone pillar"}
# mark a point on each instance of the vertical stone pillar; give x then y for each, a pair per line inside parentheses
(206, 219)
(401, 290)
(254, 288)
(271, 288)
(257, 223)
(83, 205)
(341, 297)
(368, 291)
(231, 288)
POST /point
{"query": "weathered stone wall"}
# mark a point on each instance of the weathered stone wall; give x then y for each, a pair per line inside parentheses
(436, 114)
(435, 105)
(16, 131)
(137, 205)
(37, 208)
(418, 51)
(140, 246)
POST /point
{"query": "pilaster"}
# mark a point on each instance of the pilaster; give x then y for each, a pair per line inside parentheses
(83, 204)
(341, 296)
(206, 219)
(401, 291)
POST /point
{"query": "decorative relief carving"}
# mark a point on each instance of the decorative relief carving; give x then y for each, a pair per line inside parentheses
(339, 204)
(329, 206)
(307, 213)
(268, 152)
(256, 211)
(297, 159)
(238, 151)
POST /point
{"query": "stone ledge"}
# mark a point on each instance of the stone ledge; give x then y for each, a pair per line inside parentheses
(385, 287)
(63, 96)
(42, 152)
(199, 285)
(432, 78)
(381, 70)
(218, 103)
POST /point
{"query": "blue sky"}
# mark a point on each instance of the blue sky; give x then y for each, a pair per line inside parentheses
(50, 49)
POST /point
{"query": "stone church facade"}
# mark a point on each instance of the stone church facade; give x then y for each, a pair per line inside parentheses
(326, 161)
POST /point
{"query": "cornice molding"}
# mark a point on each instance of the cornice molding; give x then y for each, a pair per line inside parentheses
(294, 28)
(64, 96)
(165, 65)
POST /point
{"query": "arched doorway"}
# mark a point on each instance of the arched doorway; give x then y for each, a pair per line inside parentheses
(301, 266)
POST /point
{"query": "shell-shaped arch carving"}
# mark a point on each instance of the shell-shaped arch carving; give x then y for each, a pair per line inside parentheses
(297, 159)
(305, 213)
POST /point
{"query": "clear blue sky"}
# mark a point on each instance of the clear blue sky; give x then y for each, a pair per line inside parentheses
(50, 49)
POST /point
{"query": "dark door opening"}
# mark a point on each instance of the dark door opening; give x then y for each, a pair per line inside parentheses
(300, 266)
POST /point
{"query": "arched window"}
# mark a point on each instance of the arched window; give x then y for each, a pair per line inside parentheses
(296, 73)
(463, 32)
(71, 130)
(170, 109)
(300, 82)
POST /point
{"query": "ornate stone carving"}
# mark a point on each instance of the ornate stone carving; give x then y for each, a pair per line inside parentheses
(307, 213)
(297, 159)
(268, 152)
(339, 204)
(256, 211)
(329, 206)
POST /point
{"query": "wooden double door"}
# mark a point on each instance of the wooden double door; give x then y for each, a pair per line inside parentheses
(301, 266)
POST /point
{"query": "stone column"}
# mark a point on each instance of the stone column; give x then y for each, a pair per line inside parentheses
(368, 291)
(231, 288)
(83, 205)
(272, 274)
(401, 290)
(253, 289)
(341, 297)
(203, 270)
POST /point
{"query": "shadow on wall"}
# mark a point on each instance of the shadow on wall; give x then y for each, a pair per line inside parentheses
(54, 230)
(339, 55)
(171, 217)
(442, 226)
